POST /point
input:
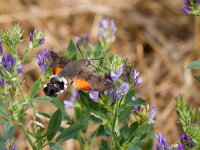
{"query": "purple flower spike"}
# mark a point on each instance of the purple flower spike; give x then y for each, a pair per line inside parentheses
(187, 141)
(106, 31)
(152, 114)
(122, 90)
(82, 39)
(94, 95)
(115, 76)
(192, 7)
(44, 60)
(8, 61)
(161, 142)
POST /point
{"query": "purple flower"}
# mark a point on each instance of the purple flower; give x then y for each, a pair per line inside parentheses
(115, 76)
(68, 104)
(152, 114)
(8, 61)
(94, 95)
(41, 41)
(20, 68)
(136, 79)
(71, 103)
(36, 38)
(191, 7)
(13, 147)
(187, 141)
(74, 95)
(1, 49)
(106, 31)
(132, 75)
(82, 39)
(161, 142)
(122, 90)
(2, 83)
(44, 60)
(180, 147)
(31, 37)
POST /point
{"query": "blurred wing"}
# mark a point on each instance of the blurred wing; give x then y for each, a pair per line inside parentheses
(58, 61)
(89, 81)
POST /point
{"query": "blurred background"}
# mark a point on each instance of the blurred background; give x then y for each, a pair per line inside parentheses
(155, 34)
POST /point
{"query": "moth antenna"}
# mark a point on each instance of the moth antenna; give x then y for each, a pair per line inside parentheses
(79, 49)
(97, 58)
(95, 68)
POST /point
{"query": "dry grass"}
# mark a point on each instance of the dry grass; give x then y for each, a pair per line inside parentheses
(156, 35)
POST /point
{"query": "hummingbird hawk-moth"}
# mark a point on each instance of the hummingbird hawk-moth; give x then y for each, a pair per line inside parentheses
(68, 72)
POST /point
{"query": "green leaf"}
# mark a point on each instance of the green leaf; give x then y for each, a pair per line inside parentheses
(137, 102)
(55, 102)
(34, 89)
(194, 64)
(55, 146)
(70, 132)
(104, 145)
(102, 130)
(129, 95)
(197, 78)
(133, 128)
(143, 130)
(125, 114)
(124, 134)
(71, 47)
(54, 124)
(95, 119)
(2, 121)
(9, 131)
(4, 112)
(94, 107)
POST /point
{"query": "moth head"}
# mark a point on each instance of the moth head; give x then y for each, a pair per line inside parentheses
(85, 63)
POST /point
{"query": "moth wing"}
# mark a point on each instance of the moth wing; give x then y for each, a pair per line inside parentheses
(58, 61)
(92, 82)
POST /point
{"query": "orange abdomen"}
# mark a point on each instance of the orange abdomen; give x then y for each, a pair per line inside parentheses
(82, 84)
(57, 70)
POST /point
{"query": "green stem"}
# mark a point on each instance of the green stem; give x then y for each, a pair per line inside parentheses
(26, 53)
(81, 142)
(113, 124)
(20, 90)
(28, 137)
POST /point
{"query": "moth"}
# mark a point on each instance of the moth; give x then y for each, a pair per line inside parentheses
(76, 72)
